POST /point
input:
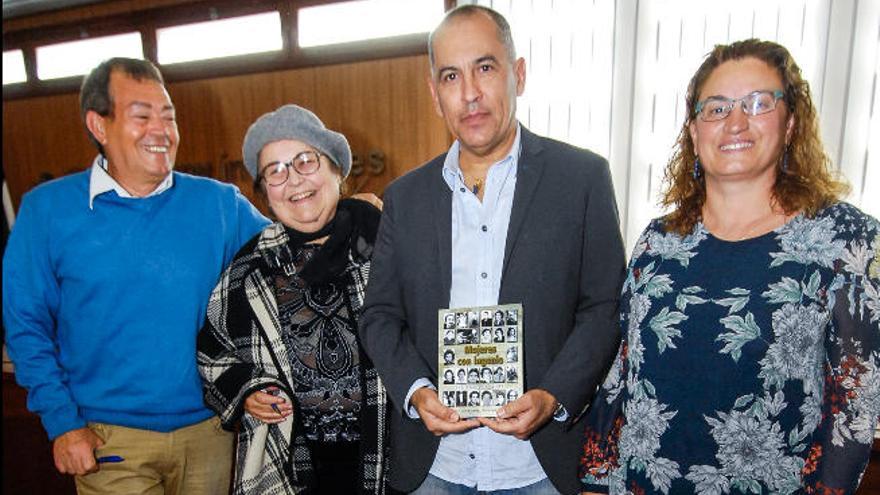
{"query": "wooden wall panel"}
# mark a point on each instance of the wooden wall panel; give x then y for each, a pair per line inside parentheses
(42, 136)
(86, 12)
(383, 107)
(410, 116)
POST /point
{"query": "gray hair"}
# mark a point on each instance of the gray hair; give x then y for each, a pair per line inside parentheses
(502, 28)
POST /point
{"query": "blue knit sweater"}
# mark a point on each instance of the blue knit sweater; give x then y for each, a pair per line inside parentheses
(102, 306)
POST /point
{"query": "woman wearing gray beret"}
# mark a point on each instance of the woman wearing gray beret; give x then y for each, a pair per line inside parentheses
(279, 353)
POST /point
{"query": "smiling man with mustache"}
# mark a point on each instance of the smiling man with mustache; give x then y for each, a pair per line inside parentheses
(504, 217)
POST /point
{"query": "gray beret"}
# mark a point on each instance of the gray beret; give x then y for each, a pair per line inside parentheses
(294, 122)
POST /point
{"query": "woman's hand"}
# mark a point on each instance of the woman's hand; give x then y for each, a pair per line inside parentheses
(267, 406)
(369, 198)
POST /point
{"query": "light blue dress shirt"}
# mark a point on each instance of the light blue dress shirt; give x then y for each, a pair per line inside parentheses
(100, 182)
(481, 457)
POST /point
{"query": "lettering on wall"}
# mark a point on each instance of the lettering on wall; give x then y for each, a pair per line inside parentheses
(363, 170)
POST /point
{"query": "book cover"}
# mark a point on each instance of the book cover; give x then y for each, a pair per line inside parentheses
(479, 358)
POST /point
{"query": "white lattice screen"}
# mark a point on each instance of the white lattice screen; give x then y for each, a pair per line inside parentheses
(610, 76)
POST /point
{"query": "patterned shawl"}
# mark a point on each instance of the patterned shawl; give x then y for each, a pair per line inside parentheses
(241, 350)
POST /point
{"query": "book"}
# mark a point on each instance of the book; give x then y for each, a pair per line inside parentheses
(479, 358)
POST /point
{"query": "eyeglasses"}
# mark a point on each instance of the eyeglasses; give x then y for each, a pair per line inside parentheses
(305, 163)
(718, 108)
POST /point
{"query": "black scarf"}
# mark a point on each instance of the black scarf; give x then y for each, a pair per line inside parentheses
(353, 229)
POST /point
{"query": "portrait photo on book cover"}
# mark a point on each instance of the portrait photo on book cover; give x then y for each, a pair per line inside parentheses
(478, 358)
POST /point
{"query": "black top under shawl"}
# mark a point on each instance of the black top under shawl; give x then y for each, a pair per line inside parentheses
(314, 287)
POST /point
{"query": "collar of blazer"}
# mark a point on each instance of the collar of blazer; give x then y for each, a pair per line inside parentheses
(528, 175)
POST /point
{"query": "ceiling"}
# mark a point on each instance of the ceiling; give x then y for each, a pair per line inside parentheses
(20, 8)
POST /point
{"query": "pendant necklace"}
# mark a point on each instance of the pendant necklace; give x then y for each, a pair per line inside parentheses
(478, 184)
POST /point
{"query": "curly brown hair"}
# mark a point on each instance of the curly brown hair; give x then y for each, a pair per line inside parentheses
(806, 184)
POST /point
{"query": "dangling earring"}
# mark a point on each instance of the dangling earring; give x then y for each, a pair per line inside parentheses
(785, 161)
(697, 168)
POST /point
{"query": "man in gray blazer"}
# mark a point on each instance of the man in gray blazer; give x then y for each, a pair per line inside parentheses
(504, 217)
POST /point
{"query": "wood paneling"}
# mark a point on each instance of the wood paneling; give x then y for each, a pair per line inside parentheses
(86, 12)
(381, 106)
(28, 465)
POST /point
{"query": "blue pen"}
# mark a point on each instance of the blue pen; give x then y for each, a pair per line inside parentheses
(109, 458)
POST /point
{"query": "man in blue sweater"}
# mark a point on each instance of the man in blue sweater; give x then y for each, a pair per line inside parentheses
(107, 274)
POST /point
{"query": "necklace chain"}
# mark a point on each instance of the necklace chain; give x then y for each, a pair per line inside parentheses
(477, 184)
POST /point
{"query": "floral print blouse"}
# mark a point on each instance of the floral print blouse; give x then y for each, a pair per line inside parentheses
(745, 367)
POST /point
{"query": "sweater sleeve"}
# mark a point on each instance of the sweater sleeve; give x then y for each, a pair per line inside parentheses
(249, 221)
(31, 298)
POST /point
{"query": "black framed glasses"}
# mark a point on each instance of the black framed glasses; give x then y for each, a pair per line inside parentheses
(305, 163)
(756, 103)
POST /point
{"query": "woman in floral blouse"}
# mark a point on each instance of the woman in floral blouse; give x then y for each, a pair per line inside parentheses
(751, 313)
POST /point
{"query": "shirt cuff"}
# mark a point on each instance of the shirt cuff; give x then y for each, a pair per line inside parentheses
(408, 408)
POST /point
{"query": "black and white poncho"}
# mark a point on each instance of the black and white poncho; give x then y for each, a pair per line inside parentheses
(242, 349)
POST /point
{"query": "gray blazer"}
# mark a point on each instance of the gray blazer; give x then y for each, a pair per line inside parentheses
(563, 261)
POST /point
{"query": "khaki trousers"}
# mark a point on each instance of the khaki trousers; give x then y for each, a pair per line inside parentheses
(193, 460)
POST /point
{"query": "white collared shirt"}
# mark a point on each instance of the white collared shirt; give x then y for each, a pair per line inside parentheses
(101, 182)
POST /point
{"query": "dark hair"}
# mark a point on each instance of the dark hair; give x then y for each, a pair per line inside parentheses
(94, 94)
(503, 28)
(805, 184)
